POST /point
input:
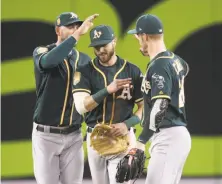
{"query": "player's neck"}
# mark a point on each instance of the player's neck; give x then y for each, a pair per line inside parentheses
(59, 41)
(156, 48)
(111, 62)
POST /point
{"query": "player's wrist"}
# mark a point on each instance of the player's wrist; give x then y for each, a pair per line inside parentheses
(109, 89)
(132, 121)
(100, 95)
(76, 35)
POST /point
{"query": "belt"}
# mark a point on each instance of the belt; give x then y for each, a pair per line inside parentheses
(90, 129)
(57, 130)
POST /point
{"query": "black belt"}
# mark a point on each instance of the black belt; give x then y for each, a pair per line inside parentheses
(57, 130)
(90, 129)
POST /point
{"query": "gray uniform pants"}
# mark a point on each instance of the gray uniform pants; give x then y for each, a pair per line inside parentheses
(57, 157)
(168, 150)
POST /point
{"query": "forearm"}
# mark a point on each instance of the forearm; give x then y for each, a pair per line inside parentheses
(91, 102)
(145, 135)
(85, 103)
(136, 118)
(139, 111)
(57, 55)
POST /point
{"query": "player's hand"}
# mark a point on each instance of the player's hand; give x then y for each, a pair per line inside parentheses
(118, 129)
(118, 84)
(86, 25)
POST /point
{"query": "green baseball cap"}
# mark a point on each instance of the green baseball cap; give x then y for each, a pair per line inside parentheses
(67, 18)
(101, 35)
(148, 24)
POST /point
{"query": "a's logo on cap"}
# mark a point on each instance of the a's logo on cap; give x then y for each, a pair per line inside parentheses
(73, 15)
(97, 34)
(58, 21)
(160, 30)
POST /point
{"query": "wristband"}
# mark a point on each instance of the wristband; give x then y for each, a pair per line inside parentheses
(133, 120)
(100, 95)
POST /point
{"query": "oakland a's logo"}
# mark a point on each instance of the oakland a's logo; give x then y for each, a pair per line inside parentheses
(97, 34)
(73, 15)
(159, 80)
(126, 93)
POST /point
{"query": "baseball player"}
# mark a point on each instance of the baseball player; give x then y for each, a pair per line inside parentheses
(164, 108)
(56, 138)
(106, 90)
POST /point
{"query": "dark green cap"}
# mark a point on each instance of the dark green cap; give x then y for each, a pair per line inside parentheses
(148, 24)
(101, 35)
(67, 18)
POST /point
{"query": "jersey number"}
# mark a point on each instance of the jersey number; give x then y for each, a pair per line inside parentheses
(181, 94)
(178, 68)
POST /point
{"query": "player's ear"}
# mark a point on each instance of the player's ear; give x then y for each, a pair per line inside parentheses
(114, 41)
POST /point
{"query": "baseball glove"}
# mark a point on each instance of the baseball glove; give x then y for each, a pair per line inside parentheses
(105, 144)
(131, 166)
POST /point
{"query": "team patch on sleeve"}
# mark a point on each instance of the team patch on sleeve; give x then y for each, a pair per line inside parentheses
(76, 78)
(159, 80)
(42, 50)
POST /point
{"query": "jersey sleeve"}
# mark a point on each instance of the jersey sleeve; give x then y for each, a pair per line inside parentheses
(37, 55)
(138, 96)
(161, 80)
(81, 79)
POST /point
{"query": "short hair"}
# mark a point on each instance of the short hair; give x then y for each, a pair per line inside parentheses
(155, 36)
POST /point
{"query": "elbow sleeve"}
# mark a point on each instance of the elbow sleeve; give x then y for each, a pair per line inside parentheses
(79, 98)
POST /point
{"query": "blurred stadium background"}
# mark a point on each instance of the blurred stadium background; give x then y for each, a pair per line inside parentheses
(193, 29)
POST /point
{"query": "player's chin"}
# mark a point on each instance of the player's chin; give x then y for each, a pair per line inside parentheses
(104, 59)
(144, 53)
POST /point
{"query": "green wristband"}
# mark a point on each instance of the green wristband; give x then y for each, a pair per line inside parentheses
(132, 121)
(100, 95)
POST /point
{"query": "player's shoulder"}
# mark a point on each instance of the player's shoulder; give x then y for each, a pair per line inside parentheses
(163, 60)
(182, 61)
(83, 59)
(133, 66)
(85, 67)
(130, 65)
(84, 56)
(184, 64)
(43, 49)
(165, 57)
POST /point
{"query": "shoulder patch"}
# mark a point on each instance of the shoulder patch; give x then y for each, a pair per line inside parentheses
(76, 78)
(42, 50)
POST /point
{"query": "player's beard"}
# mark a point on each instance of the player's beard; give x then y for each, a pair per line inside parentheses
(144, 50)
(104, 57)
